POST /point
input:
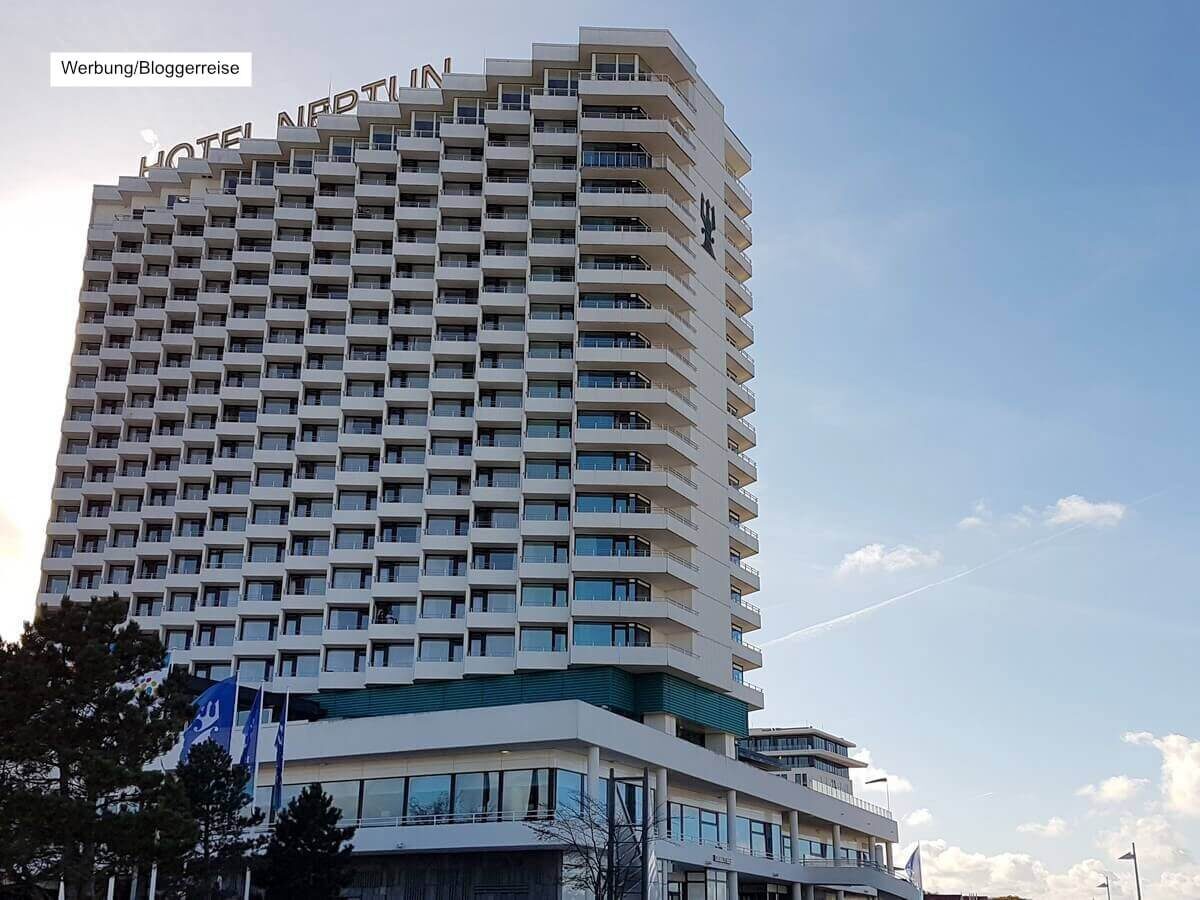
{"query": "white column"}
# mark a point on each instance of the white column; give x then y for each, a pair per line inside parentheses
(877, 853)
(153, 880)
(593, 774)
(887, 852)
(660, 801)
(731, 817)
(810, 892)
(794, 833)
(837, 845)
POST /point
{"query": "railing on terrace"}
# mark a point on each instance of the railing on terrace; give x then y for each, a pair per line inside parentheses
(738, 526)
(738, 181)
(642, 77)
(822, 788)
(642, 554)
(747, 605)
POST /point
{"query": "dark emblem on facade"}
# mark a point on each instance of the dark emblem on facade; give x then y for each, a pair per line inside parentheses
(708, 223)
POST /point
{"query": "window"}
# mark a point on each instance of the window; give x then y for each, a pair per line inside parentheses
(314, 507)
(428, 795)
(254, 669)
(392, 655)
(611, 634)
(543, 595)
(476, 794)
(438, 606)
(352, 579)
(441, 649)
(491, 644)
(299, 665)
(343, 618)
(383, 798)
(619, 589)
(209, 635)
(179, 639)
(548, 468)
(302, 623)
(220, 596)
(526, 792)
(265, 591)
(258, 629)
(395, 613)
(544, 640)
(544, 552)
(345, 659)
(494, 601)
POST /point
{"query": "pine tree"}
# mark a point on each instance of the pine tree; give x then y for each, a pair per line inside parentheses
(216, 793)
(308, 857)
(76, 800)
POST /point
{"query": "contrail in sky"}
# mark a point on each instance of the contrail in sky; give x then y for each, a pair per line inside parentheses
(829, 625)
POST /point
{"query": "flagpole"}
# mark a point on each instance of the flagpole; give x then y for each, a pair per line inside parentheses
(254, 775)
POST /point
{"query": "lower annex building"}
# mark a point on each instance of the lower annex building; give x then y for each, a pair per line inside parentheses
(432, 413)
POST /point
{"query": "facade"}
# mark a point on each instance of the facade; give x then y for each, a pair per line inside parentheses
(440, 406)
(806, 754)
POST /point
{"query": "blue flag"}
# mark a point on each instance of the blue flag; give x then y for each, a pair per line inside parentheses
(215, 710)
(250, 738)
(277, 788)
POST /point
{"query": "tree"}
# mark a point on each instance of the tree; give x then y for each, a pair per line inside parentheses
(77, 802)
(308, 857)
(583, 834)
(216, 794)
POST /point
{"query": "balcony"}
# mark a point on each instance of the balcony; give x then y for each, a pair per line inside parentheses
(744, 577)
(661, 136)
(654, 92)
(737, 263)
(657, 209)
(737, 195)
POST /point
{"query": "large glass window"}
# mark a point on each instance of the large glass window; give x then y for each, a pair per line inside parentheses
(344, 795)
(383, 798)
(526, 792)
(476, 794)
(428, 795)
(568, 792)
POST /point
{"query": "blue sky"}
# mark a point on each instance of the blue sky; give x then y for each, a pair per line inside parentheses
(975, 270)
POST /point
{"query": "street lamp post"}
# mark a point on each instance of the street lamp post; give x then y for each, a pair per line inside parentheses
(886, 786)
(1106, 886)
(1137, 879)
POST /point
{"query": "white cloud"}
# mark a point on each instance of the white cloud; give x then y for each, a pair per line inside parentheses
(1025, 517)
(896, 784)
(1159, 844)
(877, 558)
(980, 516)
(1076, 510)
(949, 869)
(150, 136)
(1054, 827)
(918, 817)
(1180, 769)
(1118, 789)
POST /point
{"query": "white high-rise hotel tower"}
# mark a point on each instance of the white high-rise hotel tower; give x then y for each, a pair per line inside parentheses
(435, 413)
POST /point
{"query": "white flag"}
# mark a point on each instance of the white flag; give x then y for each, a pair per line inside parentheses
(913, 867)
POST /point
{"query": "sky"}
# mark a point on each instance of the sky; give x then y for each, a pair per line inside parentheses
(975, 274)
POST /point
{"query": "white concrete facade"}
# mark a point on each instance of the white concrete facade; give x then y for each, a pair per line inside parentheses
(363, 404)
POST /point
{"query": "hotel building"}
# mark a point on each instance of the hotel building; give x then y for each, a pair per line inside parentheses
(433, 414)
(806, 754)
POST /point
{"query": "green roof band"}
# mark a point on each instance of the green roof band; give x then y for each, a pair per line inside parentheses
(603, 686)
